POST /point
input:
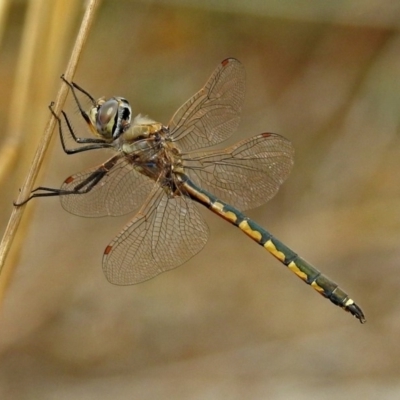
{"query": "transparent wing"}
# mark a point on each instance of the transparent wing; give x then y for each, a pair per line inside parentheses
(164, 234)
(213, 113)
(245, 175)
(121, 190)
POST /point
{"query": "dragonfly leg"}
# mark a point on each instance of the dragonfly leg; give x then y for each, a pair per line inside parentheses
(48, 193)
(80, 189)
(84, 187)
(74, 86)
(94, 143)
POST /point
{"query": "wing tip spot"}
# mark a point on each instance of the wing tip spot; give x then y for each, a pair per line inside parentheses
(107, 250)
(69, 179)
(226, 62)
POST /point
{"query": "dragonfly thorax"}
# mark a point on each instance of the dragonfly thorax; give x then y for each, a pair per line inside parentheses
(110, 118)
(144, 135)
(142, 127)
(148, 147)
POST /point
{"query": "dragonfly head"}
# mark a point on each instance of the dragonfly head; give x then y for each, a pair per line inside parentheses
(111, 118)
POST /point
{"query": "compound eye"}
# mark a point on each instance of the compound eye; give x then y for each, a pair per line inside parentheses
(123, 119)
(106, 118)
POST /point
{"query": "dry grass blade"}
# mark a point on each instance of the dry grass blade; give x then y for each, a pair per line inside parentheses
(38, 7)
(4, 6)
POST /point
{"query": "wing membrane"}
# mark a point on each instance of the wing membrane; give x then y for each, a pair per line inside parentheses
(213, 113)
(121, 190)
(165, 233)
(246, 174)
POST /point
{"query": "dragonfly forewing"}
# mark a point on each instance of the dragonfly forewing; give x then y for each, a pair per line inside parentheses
(213, 113)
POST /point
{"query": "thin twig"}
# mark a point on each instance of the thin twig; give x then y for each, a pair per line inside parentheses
(44, 143)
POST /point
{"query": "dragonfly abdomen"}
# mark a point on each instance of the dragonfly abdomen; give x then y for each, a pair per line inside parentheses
(304, 270)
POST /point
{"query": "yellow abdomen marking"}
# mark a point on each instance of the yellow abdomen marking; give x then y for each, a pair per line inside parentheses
(294, 268)
(228, 215)
(273, 250)
(203, 197)
(244, 226)
(318, 288)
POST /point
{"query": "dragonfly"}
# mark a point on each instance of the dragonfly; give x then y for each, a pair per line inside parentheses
(161, 172)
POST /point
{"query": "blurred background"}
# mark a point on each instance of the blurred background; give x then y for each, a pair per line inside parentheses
(233, 322)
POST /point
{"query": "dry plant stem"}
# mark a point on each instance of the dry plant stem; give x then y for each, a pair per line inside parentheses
(36, 21)
(4, 6)
(44, 143)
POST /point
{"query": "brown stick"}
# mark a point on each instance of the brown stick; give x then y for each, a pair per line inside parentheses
(16, 215)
